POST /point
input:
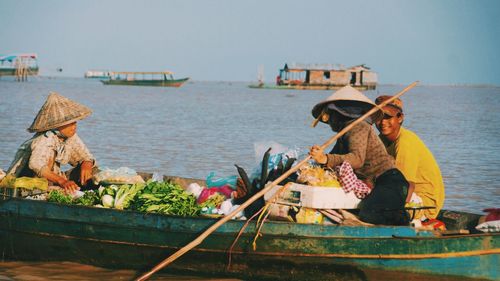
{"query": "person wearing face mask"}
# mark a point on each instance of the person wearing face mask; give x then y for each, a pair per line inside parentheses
(413, 158)
(54, 144)
(366, 154)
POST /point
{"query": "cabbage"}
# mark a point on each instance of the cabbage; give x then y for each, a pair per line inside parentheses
(107, 201)
(125, 194)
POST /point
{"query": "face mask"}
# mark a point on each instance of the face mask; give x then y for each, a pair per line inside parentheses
(337, 121)
(59, 134)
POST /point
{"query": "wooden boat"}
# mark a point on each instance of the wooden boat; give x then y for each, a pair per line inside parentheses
(159, 79)
(322, 77)
(41, 231)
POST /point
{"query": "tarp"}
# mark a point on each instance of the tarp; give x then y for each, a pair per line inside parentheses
(12, 57)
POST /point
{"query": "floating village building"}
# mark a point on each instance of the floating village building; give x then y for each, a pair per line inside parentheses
(19, 65)
(326, 76)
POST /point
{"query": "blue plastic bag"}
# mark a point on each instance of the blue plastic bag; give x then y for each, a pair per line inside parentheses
(212, 182)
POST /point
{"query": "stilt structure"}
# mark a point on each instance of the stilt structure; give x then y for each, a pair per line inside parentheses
(19, 65)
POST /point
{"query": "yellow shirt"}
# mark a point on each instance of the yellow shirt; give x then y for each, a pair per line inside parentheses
(418, 165)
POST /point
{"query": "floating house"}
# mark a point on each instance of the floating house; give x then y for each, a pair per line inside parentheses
(322, 77)
(326, 76)
(19, 65)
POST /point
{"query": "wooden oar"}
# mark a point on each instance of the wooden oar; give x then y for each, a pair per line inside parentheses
(268, 187)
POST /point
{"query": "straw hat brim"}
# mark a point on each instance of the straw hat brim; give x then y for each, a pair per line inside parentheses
(352, 97)
(58, 111)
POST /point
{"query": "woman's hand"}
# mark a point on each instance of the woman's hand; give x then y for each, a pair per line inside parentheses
(318, 155)
(69, 186)
(85, 172)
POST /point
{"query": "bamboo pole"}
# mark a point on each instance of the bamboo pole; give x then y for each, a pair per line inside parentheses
(268, 187)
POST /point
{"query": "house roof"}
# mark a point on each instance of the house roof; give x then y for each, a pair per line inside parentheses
(299, 67)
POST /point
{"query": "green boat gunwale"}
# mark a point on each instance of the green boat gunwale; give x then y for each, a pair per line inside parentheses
(159, 79)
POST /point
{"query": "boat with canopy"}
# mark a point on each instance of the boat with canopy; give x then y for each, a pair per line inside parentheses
(158, 79)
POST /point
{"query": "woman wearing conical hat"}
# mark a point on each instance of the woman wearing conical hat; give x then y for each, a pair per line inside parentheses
(55, 144)
(384, 186)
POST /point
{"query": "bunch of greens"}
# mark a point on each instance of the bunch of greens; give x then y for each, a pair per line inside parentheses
(58, 196)
(125, 195)
(165, 198)
(89, 198)
(152, 197)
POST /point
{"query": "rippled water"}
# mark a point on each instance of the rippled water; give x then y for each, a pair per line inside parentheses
(210, 126)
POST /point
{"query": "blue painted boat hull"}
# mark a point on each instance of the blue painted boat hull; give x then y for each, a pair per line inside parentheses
(41, 231)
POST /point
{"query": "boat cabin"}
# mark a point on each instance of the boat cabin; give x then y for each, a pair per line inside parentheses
(98, 74)
(141, 76)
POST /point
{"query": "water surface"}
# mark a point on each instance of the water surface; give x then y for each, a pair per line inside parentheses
(210, 126)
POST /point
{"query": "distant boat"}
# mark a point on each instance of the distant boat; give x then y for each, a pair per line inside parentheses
(159, 79)
(322, 77)
(97, 74)
(19, 65)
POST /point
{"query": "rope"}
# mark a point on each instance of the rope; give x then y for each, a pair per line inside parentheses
(238, 236)
(258, 234)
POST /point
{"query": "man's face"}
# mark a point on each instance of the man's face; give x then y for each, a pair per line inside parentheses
(68, 130)
(390, 124)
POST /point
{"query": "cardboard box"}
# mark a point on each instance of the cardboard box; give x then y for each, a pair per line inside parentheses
(316, 197)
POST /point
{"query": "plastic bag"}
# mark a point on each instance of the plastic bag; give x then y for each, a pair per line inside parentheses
(489, 226)
(315, 175)
(279, 153)
(31, 183)
(121, 175)
(213, 182)
(157, 177)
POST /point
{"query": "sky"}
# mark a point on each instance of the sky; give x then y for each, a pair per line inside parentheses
(433, 41)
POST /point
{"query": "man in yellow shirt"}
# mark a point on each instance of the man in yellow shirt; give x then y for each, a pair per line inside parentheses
(413, 158)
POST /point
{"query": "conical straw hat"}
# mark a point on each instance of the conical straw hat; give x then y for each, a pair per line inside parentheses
(56, 112)
(343, 96)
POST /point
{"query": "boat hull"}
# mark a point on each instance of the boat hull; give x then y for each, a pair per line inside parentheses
(311, 87)
(156, 83)
(41, 231)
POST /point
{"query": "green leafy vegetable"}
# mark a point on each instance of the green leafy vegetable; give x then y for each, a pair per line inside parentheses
(156, 197)
(89, 198)
(126, 194)
(165, 198)
(57, 196)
